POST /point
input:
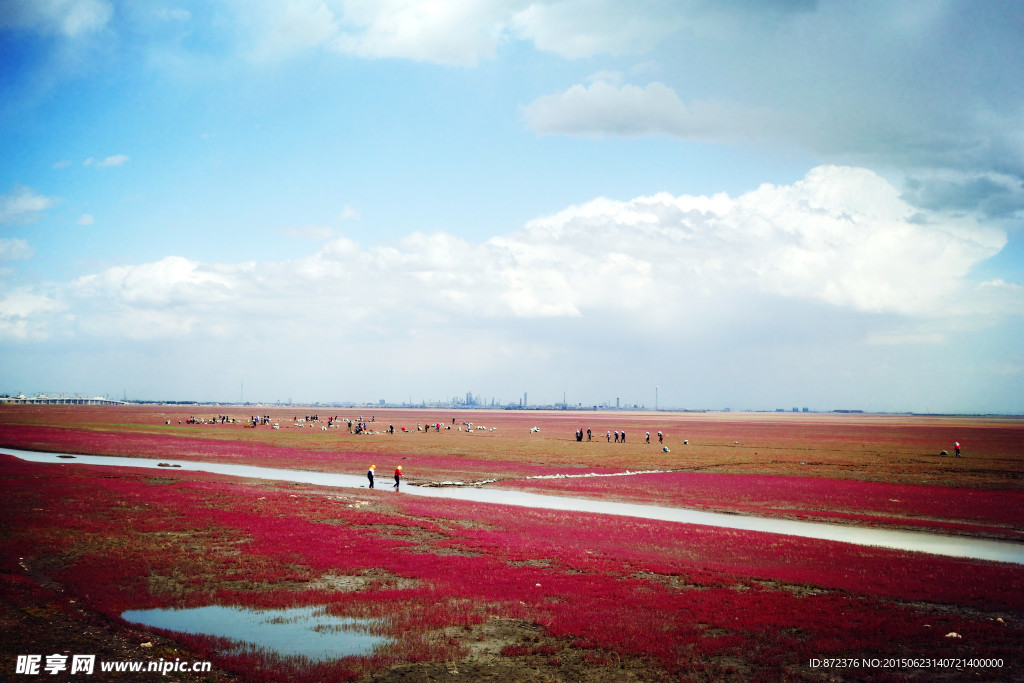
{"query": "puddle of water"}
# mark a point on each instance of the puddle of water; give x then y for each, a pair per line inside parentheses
(297, 632)
(937, 544)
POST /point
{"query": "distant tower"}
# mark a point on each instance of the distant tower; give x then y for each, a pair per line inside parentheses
(525, 402)
(616, 403)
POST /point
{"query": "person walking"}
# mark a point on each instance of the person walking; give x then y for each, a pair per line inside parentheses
(648, 439)
(956, 448)
(398, 476)
(369, 474)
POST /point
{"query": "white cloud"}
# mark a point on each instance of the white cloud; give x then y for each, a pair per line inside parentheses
(841, 238)
(283, 29)
(577, 29)
(86, 219)
(64, 163)
(458, 32)
(15, 249)
(27, 315)
(23, 205)
(172, 281)
(605, 109)
(115, 160)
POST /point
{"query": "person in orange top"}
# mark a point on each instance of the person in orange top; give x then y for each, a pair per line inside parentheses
(398, 476)
(369, 474)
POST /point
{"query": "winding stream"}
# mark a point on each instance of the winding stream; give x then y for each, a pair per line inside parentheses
(936, 544)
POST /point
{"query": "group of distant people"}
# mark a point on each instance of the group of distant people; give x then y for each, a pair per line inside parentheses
(618, 436)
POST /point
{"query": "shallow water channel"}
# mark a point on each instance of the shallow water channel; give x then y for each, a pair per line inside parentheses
(295, 632)
(936, 544)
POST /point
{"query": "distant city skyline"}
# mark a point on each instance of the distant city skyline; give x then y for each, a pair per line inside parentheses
(453, 403)
(682, 204)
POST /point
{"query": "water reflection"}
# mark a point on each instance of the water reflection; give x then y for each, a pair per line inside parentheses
(296, 632)
(937, 544)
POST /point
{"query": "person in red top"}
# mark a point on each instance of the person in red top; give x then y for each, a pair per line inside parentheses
(398, 476)
(956, 446)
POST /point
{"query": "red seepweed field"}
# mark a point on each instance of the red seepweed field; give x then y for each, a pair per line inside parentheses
(468, 590)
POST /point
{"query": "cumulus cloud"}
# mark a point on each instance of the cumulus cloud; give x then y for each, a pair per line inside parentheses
(842, 238)
(172, 281)
(23, 205)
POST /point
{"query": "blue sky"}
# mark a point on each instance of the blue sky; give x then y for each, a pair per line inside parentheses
(747, 204)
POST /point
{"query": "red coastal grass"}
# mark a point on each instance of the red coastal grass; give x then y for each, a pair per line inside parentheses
(680, 597)
(976, 511)
(582, 542)
(901, 449)
(982, 512)
(429, 467)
